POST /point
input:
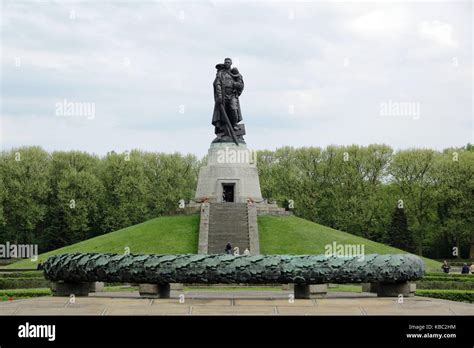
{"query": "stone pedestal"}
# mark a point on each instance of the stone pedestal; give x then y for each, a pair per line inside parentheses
(395, 290)
(318, 290)
(302, 291)
(177, 286)
(307, 291)
(67, 289)
(370, 287)
(390, 290)
(204, 229)
(154, 290)
(229, 164)
(252, 223)
(96, 287)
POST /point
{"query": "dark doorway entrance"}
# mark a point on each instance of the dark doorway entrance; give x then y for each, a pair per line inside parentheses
(228, 192)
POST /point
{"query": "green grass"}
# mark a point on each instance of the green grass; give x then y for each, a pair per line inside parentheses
(293, 235)
(120, 288)
(164, 235)
(345, 288)
(179, 234)
(23, 293)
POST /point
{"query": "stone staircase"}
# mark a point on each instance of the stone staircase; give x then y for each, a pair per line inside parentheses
(228, 222)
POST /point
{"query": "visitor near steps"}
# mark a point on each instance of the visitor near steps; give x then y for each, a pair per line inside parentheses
(445, 267)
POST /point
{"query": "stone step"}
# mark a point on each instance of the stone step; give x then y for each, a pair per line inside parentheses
(229, 205)
(228, 236)
(228, 239)
(229, 216)
(228, 222)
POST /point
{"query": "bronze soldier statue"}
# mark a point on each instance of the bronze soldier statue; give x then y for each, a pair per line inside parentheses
(228, 86)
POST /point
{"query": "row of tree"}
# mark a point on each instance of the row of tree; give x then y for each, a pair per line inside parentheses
(419, 200)
(62, 198)
(370, 190)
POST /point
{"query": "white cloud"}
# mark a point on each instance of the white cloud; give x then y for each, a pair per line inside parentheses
(438, 32)
(386, 23)
(299, 62)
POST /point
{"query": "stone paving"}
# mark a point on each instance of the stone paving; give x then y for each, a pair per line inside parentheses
(233, 303)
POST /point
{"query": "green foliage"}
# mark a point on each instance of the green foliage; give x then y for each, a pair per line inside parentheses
(453, 295)
(349, 188)
(293, 235)
(164, 235)
(345, 288)
(126, 189)
(7, 294)
(179, 234)
(23, 283)
(440, 284)
(449, 277)
(28, 274)
(355, 188)
(454, 183)
(339, 186)
(400, 236)
(75, 199)
(24, 177)
(67, 197)
(412, 172)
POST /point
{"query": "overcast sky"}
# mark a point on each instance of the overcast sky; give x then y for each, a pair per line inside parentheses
(315, 73)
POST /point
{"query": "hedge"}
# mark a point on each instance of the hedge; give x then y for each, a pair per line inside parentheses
(22, 293)
(453, 295)
(442, 274)
(441, 284)
(27, 274)
(450, 279)
(23, 283)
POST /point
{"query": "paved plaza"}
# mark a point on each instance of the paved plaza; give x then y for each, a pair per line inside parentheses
(233, 303)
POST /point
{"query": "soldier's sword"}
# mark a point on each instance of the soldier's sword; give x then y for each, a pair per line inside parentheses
(228, 124)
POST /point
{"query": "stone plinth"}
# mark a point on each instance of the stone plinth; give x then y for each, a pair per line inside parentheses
(302, 291)
(154, 290)
(390, 290)
(97, 287)
(395, 290)
(229, 164)
(318, 290)
(68, 288)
